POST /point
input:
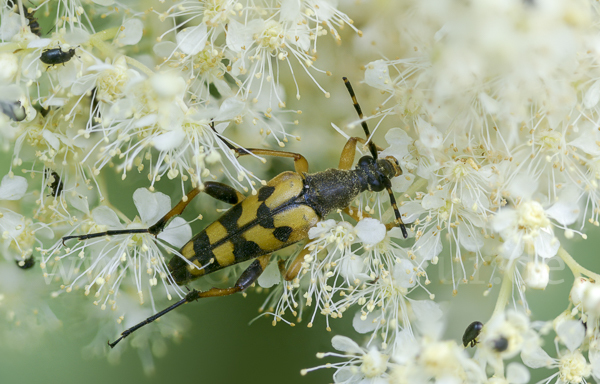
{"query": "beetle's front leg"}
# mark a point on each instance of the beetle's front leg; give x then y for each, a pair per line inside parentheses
(349, 152)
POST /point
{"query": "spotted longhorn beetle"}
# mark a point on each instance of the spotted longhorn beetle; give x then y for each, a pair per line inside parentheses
(279, 215)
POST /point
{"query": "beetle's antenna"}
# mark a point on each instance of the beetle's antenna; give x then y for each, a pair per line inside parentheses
(238, 150)
(363, 123)
(398, 221)
(129, 331)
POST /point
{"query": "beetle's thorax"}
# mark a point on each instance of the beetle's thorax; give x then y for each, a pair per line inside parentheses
(331, 189)
(334, 189)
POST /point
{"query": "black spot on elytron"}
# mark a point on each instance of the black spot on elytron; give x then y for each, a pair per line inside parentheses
(283, 233)
(244, 250)
(230, 218)
(265, 192)
(265, 219)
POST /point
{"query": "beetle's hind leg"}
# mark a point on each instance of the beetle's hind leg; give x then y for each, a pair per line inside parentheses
(246, 279)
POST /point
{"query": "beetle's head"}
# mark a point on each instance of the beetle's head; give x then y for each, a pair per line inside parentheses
(379, 172)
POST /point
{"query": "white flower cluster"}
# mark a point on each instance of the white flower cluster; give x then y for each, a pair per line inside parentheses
(88, 87)
(491, 108)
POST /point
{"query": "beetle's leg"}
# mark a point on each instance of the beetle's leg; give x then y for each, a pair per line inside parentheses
(219, 191)
(300, 163)
(293, 269)
(248, 277)
(349, 151)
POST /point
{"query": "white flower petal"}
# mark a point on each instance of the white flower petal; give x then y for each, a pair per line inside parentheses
(564, 212)
(517, 374)
(369, 324)
(289, 10)
(12, 188)
(377, 75)
(370, 231)
(169, 140)
(177, 233)
(428, 246)
(429, 135)
(151, 206)
(84, 84)
(351, 268)
(546, 245)
(103, 215)
(270, 276)
(536, 357)
(192, 40)
(239, 36)
(79, 202)
(470, 238)
(51, 138)
(592, 95)
(404, 274)
(571, 333)
(345, 344)
(131, 33)
(433, 201)
(230, 108)
(426, 309)
(164, 48)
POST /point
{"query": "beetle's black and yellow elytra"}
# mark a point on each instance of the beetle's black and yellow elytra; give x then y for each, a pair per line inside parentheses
(56, 56)
(280, 214)
(471, 333)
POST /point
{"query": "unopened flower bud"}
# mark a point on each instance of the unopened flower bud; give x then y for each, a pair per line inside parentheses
(537, 275)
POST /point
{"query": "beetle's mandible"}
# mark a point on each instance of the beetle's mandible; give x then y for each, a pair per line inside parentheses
(279, 215)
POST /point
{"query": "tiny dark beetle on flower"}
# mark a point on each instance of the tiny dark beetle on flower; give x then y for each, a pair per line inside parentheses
(56, 56)
(280, 214)
(501, 344)
(26, 263)
(55, 184)
(471, 333)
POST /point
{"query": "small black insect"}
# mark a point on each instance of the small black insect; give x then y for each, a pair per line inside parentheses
(501, 344)
(34, 26)
(26, 263)
(56, 56)
(13, 109)
(471, 333)
(55, 184)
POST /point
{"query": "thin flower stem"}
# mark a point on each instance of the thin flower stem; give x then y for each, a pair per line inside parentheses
(505, 290)
(575, 267)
